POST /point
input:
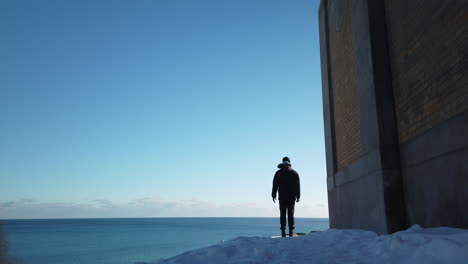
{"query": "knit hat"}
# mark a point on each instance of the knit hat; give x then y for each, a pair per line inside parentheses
(287, 159)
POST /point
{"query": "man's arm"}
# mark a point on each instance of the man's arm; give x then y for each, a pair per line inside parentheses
(298, 188)
(275, 187)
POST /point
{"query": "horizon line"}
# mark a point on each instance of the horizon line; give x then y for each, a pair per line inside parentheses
(91, 218)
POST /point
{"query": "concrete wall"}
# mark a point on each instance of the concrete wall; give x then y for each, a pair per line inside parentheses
(365, 192)
(435, 175)
(429, 60)
(410, 73)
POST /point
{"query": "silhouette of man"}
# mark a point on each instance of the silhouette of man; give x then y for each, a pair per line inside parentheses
(286, 182)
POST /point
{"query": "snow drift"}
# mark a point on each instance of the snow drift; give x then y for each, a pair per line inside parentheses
(415, 245)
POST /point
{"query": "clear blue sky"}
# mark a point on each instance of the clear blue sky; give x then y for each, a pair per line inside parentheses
(169, 103)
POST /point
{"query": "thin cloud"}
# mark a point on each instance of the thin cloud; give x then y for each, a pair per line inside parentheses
(146, 207)
(104, 203)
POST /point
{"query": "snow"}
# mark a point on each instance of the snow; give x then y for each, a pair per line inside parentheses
(415, 245)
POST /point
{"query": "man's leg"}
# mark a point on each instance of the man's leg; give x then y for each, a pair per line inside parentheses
(283, 206)
(291, 205)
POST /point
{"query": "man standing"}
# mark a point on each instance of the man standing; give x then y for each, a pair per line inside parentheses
(286, 182)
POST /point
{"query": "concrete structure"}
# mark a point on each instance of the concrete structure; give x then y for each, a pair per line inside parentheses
(395, 98)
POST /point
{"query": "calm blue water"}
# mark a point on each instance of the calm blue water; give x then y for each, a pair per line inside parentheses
(130, 240)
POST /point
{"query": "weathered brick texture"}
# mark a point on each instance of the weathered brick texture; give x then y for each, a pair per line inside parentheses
(428, 41)
(344, 89)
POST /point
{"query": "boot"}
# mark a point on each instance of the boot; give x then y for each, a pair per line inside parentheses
(283, 233)
(291, 233)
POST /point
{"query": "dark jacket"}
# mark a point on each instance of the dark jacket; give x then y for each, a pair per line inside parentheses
(287, 183)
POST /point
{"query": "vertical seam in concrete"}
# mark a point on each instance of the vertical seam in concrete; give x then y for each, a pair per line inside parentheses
(386, 117)
(375, 103)
(330, 128)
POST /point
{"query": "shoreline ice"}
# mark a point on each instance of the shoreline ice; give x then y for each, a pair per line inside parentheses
(414, 245)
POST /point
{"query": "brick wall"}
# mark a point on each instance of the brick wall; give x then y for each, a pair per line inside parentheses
(344, 86)
(428, 41)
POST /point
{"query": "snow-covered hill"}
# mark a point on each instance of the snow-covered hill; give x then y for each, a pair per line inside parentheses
(416, 246)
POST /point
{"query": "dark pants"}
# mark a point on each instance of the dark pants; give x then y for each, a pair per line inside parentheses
(287, 206)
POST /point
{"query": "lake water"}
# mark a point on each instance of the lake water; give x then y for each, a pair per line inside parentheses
(130, 240)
